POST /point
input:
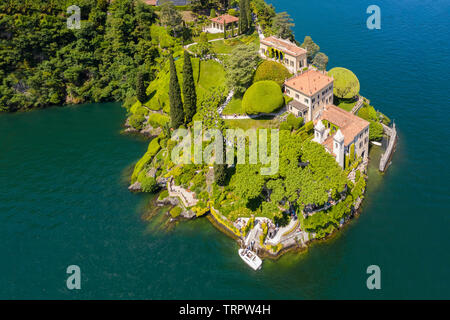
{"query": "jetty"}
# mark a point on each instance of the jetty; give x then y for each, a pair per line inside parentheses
(387, 155)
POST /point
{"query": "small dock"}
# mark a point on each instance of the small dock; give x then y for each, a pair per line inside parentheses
(387, 155)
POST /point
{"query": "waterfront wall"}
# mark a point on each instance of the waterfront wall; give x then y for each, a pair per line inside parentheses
(386, 156)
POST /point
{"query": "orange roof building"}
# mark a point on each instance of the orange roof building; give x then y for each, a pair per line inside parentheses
(310, 91)
(225, 21)
(337, 130)
(284, 51)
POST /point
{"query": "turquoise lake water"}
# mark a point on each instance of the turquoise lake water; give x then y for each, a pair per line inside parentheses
(64, 197)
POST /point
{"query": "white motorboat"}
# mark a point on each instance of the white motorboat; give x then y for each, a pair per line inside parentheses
(250, 258)
(376, 143)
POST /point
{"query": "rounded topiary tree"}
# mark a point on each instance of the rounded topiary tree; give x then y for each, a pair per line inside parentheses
(271, 70)
(262, 97)
(346, 84)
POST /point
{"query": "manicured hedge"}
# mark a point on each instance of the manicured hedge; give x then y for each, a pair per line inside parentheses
(346, 84)
(262, 97)
(271, 70)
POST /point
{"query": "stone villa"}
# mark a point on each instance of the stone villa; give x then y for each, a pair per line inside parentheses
(310, 92)
(337, 130)
(225, 21)
(286, 52)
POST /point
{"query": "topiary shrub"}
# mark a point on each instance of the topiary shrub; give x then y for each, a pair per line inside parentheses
(346, 84)
(262, 97)
(271, 70)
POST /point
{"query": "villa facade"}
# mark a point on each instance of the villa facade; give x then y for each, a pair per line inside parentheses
(221, 23)
(310, 91)
(286, 52)
(337, 130)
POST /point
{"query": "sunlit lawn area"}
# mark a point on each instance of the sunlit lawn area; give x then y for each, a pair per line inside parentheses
(226, 46)
(346, 104)
(246, 124)
(234, 107)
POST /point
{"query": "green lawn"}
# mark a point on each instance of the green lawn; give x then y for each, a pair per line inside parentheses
(207, 74)
(234, 107)
(211, 75)
(246, 124)
(226, 46)
(210, 36)
(346, 105)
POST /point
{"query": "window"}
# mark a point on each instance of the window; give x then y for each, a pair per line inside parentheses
(314, 99)
(297, 96)
(292, 63)
(288, 91)
(365, 141)
(306, 100)
(360, 145)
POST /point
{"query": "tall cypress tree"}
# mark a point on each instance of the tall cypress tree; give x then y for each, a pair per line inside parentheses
(176, 105)
(248, 11)
(140, 88)
(220, 169)
(243, 24)
(189, 94)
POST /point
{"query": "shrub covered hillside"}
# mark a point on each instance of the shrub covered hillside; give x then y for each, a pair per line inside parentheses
(42, 62)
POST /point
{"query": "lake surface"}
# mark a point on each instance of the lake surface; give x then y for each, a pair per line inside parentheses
(64, 197)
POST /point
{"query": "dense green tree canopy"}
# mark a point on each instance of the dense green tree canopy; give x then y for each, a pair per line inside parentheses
(282, 26)
(311, 47)
(240, 68)
(321, 61)
(42, 62)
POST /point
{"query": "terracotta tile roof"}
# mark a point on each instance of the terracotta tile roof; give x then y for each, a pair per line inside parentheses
(224, 19)
(284, 45)
(349, 124)
(309, 82)
(150, 2)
